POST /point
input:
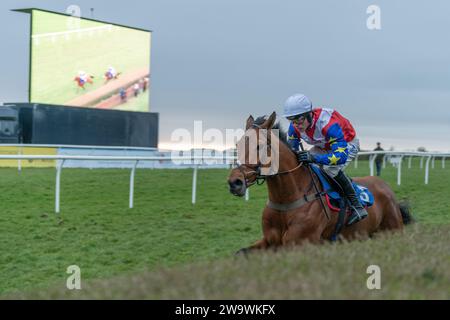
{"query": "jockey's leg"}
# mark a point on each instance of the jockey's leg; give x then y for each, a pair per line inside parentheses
(337, 172)
(358, 210)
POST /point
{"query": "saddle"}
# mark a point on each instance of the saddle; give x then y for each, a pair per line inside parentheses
(335, 198)
(334, 194)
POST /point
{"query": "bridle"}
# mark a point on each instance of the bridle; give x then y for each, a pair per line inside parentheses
(260, 178)
(255, 170)
(282, 207)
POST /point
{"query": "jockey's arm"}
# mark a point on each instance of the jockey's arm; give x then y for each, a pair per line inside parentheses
(338, 145)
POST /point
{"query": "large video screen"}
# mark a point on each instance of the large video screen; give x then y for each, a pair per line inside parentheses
(86, 63)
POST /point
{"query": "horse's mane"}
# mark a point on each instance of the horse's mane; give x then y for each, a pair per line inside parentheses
(281, 132)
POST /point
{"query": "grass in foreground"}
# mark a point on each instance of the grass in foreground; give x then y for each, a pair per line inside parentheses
(97, 231)
(413, 265)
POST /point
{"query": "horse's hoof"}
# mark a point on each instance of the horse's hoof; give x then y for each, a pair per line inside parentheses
(242, 252)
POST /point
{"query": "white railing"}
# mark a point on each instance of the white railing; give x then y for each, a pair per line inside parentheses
(196, 162)
(400, 155)
(199, 160)
(77, 32)
(107, 27)
(72, 146)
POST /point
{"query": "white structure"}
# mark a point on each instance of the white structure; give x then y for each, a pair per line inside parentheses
(197, 162)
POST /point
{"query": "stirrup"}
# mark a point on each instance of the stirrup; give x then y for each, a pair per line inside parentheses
(356, 216)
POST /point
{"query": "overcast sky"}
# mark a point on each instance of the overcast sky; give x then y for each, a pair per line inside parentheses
(219, 61)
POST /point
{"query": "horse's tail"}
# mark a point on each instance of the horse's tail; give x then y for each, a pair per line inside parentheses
(406, 213)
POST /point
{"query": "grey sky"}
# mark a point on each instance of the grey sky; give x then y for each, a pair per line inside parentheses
(219, 61)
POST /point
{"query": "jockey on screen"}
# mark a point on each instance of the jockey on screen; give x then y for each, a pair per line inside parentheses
(83, 77)
(334, 140)
(111, 73)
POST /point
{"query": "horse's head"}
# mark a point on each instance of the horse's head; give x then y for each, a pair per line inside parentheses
(255, 151)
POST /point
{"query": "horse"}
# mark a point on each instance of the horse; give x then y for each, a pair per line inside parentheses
(108, 76)
(80, 82)
(287, 224)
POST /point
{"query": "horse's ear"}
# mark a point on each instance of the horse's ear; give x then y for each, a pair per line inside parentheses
(268, 124)
(250, 122)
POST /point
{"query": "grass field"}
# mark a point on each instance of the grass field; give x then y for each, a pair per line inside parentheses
(167, 248)
(57, 60)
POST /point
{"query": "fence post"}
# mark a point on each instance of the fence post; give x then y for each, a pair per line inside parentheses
(19, 162)
(427, 165)
(409, 162)
(194, 184)
(133, 170)
(58, 184)
(356, 162)
(421, 162)
(399, 171)
(371, 162)
(432, 162)
(247, 194)
(443, 162)
(384, 161)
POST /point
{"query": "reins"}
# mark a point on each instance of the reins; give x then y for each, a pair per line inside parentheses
(259, 180)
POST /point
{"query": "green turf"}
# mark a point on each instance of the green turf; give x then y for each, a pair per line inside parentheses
(412, 265)
(55, 64)
(97, 231)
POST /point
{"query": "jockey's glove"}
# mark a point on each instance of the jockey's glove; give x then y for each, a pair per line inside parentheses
(305, 156)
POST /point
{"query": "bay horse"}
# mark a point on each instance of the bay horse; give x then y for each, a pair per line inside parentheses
(80, 82)
(108, 76)
(306, 223)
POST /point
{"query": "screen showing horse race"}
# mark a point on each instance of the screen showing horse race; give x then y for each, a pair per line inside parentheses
(87, 63)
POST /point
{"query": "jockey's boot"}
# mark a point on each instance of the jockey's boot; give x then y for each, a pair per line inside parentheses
(358, 211)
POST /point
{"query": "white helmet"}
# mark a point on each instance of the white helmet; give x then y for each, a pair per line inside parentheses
(296, 104)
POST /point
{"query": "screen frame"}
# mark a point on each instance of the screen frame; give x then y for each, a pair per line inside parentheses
(30, 12)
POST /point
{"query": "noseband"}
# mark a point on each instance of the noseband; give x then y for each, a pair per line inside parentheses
(260, 178)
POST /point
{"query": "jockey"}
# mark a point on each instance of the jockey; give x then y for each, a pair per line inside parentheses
(83, 76)
(111, 72)
(334, 140)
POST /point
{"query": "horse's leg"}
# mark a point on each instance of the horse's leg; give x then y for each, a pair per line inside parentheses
(298, 235)
(258, 245)
(387, 209)
(392, 217)
(271, 239)
(307, 225)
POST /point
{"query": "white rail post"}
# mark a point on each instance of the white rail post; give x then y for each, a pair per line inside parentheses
(194, 184)
(371, 162)
(399, 171)
(19, 162)
(58, 184)
(427, 165)
(356, 162)
(432, 162)
(421, 162)
(133, 170)
(443, 162)
(246, 194)
(384, 161)
(409, 162)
